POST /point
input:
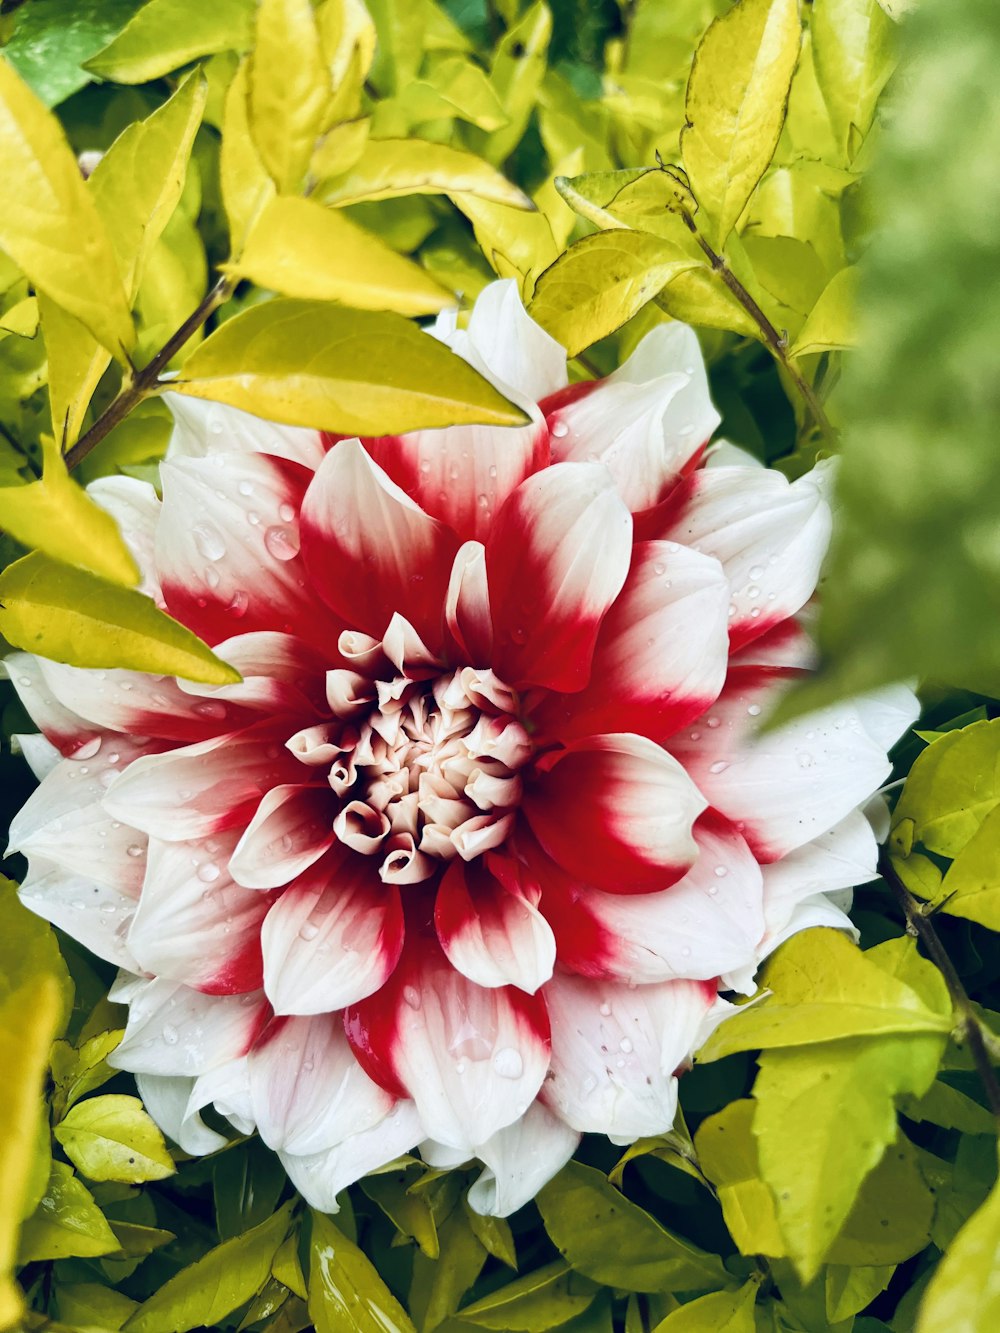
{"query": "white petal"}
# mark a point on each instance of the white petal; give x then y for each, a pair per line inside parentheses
(64, 727)
(492, 933)
(320, 1177)
(291, 829)
(135, 507)
(503, 341)
(519, 1160)
(202, 427)
(40, 755)
(95, 915)
(166, 1099)
(888, 713)
(175, 1030)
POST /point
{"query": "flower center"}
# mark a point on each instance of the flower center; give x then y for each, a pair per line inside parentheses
(430, 773)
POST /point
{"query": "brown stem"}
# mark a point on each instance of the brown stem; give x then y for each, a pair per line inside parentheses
(140, 385)
(920, 925)
(774, 340)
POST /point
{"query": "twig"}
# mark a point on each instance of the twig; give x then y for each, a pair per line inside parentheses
(143, 382)
(921, 925)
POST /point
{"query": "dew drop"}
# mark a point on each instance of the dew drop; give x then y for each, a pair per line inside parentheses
(754, 612)
(170, 1034)
(560, 430)
(588, 1085)
(686, 951)
(625, 1046)
(87, 750)
(238, 606)
(806, 760)
(412, 996)
(756, 572)
(212, 577)
(695, 735)
(712, 722)
(461, 1067)
(286, 512)
(208, 541)
(753, 710)
(308, 931)
(211, 708)
(606, 1009)
(719, 766)
(721, 872)
(508, 1063)
(245, 488)
(282, 543)
(208, 872)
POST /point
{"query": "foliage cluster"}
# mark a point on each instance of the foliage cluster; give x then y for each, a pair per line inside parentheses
(251, 202)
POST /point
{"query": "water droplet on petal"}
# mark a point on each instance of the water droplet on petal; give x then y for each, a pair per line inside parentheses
(238, 606)
(606, 1009)
(560, 430)
(208, 541)
(753, 710)
(286, 512)
(169, 1034)
(412, 996)
(712, 722)
(245, 488)
(625, 1046)
(721, 872)
(282, 543)
(806, 760)
(508, 1063)
(208, 872)
(308, 931)
(719, 766)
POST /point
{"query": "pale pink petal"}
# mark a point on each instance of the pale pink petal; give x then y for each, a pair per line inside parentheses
(166, 1099)
(770, 536)
(227, 548)
(202, 427)
(782, 788)
(281, 674)
(307, 1091)
(135, 507)
(292, 828)
(199, 790)
(193, 923)
(471, 1058)
(709, 922)
(332, 938)
(467, 604)
(320, 1177)
(615, 1050)
(493, 932)
(370, 550)
(62, 726)
(94, 914)
(616, 811)
(519, 1160)
(175, 1030)
(661, 653)
(556, 560)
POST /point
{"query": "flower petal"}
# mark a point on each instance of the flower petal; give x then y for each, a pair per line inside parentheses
(467, 604)
(202, 427)
(709, 922)
(194, 924)
(95, 915)
(615, 1051)
(199, 790)
(166, 1099)
(307, 1091)
(492, 931)
(175, 1030)
(556, 560)
(785, 787)
(615, 811)
(320, 1177)
(661, 653)
(371, 550)
(237, 567)
(332, 938)
(519, 1160)
(769, 535)
(503, 342)
(62, 726)
(292, 828)
(471, 1058)
(135, 507)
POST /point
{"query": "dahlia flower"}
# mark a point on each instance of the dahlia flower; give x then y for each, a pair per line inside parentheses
(464, 862)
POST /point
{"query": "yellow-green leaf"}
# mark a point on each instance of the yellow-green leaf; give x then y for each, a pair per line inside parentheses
(92, 1305)
(77, 1072)
(533, 1303)
(831, 322)
(601, 282)
(218, 1283)
(953, 785)
(853, 52)
(720, 1311)
(59, 518)
(138, 182)
(517, 243)
(971, 888)
(49, 225)
(67, 1223)
(964, 1293)
(166, 34)
(516, 75)
(289, 89)
(735, 107)
(394, 167)
(308, 363)
(345, 1290)
(339, 150)
(299, 248)
(73, 616)
(728, 1156)
(76, 363)
(28, 1020)
(246, 185)
(113, 1138)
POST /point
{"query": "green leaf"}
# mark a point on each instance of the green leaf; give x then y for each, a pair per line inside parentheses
(720, 1311)
(247, 1181)
(601, 282)
(28, 1022)
(952, 787)
(728, 1155)
(517, 73)
(391, 168)
(289, 89)
(90, 1305)
(166, 34)
(345, 1290)
(307, 363)
(53, 38)
(136, 1241)
(971, 888)
(73, 616)
(138, 182)
(300, 248)
(76, 363)
(50, 226)
(493, 1233)
(853, 51)
(824, 988)
(848, 1290)
(831, 322)
(603, 1235)
(340, 149)
(409, 1212)
(891, 1217)
(964, 1293)
(517, 243)
(455, 87)
(735, 107)
(113, 1138)
(952, 1109)
(29, 950)
(67, 1223)
(59, 518)
(825, 1116)
(246, 186)
(77, 1072)
(439, 1285)
(218, 1283)
(286, 1267)
(533, 1303)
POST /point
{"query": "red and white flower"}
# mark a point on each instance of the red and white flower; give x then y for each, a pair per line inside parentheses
(466, 859)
